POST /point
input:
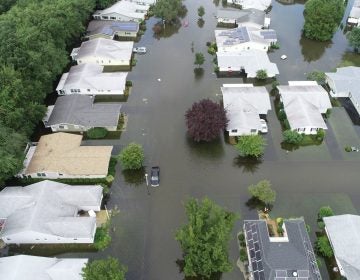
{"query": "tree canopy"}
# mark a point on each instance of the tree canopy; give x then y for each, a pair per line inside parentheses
(205, 120)
(322, 17)
(199, 59)
(201, 11)
(251, 145)
(205, 239)
(263, 192)
(132, 156)
(354, 38)
(34, 37)
(168, 10)
(108, 269)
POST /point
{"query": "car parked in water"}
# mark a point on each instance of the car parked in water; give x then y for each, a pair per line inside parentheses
(264, 127)
(155, 176)
(139, 50)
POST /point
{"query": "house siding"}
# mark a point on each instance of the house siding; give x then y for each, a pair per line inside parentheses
(90, 91)
(76, 128)
(103, 61)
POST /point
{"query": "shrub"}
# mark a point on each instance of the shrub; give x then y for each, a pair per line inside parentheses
(102, 237)
(263, 192)
(348, 149)
(96, 132)
(216, 69)
(157, 28)
(275, 46)
(282, 115)
(243, 255)
(109, 179)
(128, 83)
(320, 135)
(325, 211)
(133, 62)
(292, 137)
(241, 237)
(317, 76)
(274, 84)
(211, 51)
(323, 247)
(108, 269)
(261, 74)
(132, 157)
(251, 145)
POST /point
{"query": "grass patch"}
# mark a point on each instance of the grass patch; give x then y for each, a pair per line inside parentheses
(96, 133)
(102, 237)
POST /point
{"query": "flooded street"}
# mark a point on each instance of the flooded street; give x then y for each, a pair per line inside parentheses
(143, 232)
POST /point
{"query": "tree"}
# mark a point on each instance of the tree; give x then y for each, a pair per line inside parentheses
(322, 17)
(168, 10)
(132, 157)
(251, 145)
(96, 132)
(325, 211)
(317, 76)
(201, 11)
(263, 192)
(205, 239)
(354, 38)
(261, 74)
(292, 137)
(205, 120)
(199, 59)
(108, 269)
(323, 247)
(102, 4)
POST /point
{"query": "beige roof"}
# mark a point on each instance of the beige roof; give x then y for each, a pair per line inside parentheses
(62, 153)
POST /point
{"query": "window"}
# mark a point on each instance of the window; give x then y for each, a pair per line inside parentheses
(105, 17)
(112, 17)
(88, 89)
(8, 238)
(234, 130)
(60, 174)
(38, 174)
(72, 90)
(127, 33)
(37, 239)
(61, 126)
(253, 130)
(80, 61)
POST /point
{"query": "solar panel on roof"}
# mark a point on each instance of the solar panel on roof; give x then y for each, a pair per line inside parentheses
(254, 266)
(256, 245)
(256, 275)
(258, 256)
(281, 273)
(255, 237)
(260, 266)
(252, 253)
(262, 275)
(303, 273)
(251, 244)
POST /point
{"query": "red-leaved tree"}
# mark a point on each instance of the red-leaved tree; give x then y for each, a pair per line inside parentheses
(205, 120)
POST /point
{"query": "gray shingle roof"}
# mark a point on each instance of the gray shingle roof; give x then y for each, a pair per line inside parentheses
(81, 110)
(39, 268)
(243, 16)
(344, 233)
(50, 208)
(110, 27)
(273, 259)
(243, 106)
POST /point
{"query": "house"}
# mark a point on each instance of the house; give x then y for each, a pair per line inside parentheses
(244, 104)
(123, 11)
(244, 38)
(304, 103)
(60, 155)
(74, 113)
(343, 232)
(248, 61)
(287, 257)
(261, 5)
(144, 2)
(89, 79)
(354, 16)
(49, 213)
(104, 52)
(251, 17)
(39, 268)
(111, 29)
(345, 83)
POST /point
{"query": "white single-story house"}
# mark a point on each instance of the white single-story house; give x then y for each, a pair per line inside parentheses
(343, 232)
(110, 29)
(249, 61)
(244, 38)
(60, 155)
(354, 16)
(252, 17)
(345, 82)
(261, 5)
(244, 104)
(89, 79)
(144, 2)
(79, 113)
(40, 268)
(104, 52)
(304, 103)
(49, 213)
(123, 11)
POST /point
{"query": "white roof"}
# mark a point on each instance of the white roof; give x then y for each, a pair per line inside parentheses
(39, 268)
(50, 208)
(344, 234)
(355, 10)
(304, 104)
(347, 79)
(255, 4)
(250, 60)
(91, 76)
(126, 8)
(243, 106)
(105, 49)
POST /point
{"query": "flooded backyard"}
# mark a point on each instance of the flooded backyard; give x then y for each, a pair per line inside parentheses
(305, 179)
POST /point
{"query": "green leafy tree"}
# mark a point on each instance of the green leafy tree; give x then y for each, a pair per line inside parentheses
(199, 59)
(168, 10)
(322, 17)
(102, 237)
(263, 192)
(5, 5)
(317, 76)
(132, 157)
(251, 145)
(261, 74)
(97, 132)
(323, 247)
(292, 137)
(201, 11)
(354, 38)
(205, 239)
(102, 4)
(108, 269)
(325, 211)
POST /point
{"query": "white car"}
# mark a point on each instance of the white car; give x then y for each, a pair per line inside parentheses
(140, 50)
(264, 128)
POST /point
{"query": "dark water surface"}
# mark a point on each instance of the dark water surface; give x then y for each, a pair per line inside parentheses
(143, 231)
